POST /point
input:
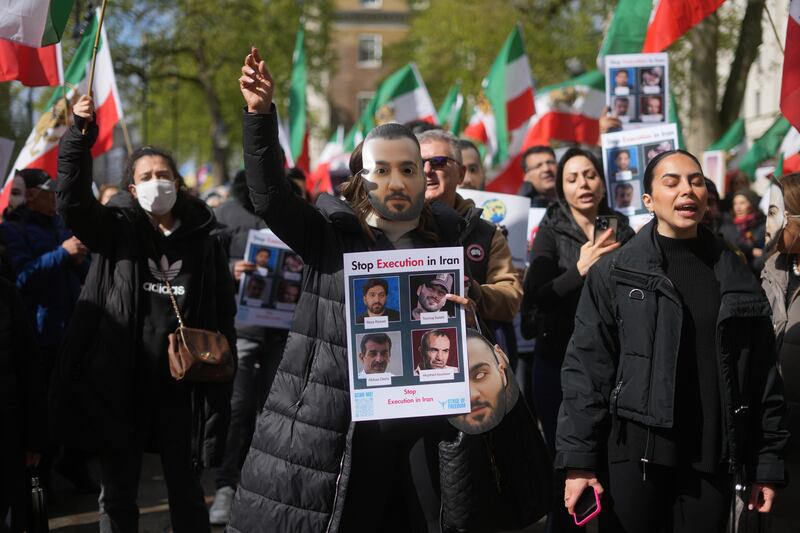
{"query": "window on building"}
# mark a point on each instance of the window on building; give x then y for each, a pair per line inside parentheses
(363, 100)
(370, 51)
(371, 4)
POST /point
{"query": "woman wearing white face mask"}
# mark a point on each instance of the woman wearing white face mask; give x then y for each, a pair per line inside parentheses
(113, 392)
(781, 282)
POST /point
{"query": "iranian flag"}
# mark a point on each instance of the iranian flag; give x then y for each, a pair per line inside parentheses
(766, 146)
(506, 103)
(402, 97)
(566, 112)
(34, 23)
(30, 35)
(670, 19)
(31, 66)
(449, 114)
(298, 118)
(790, 87)
(333, 156)
(41, 148)
(789, 153)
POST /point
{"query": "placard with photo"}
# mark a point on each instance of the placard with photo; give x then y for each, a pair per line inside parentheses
(637, 88)
(268, 295)
(714, 169)
(406, 340)
(507, 210)
(625, 156)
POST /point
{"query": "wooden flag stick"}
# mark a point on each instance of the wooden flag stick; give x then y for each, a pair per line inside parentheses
(94, 51)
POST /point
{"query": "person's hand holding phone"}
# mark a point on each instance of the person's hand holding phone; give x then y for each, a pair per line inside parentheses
(591, 252)
(576, 483)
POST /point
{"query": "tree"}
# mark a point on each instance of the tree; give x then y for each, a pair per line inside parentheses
(726, 36)
(181, 62)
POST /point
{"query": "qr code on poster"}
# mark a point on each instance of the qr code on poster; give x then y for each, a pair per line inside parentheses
(364, 405)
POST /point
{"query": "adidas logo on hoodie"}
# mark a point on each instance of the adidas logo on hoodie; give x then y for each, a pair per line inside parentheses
(163, 270)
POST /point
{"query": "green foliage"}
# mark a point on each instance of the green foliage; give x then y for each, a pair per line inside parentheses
(178, 65)
(458, 39)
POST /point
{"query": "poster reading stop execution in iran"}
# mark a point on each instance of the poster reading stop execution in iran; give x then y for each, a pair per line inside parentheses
(406, 341)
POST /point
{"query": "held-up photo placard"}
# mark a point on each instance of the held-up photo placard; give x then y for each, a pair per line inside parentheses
(406, 342)
(625, 156)
(267, 296)
(637, 88)
(509, 211)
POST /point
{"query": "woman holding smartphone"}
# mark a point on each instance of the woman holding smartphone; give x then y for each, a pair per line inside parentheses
(566, 246)
(671, 393)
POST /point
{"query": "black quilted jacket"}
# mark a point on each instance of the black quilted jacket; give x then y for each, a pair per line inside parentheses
(295, 476)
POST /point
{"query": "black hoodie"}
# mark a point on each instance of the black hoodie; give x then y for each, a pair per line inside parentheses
(97, 383)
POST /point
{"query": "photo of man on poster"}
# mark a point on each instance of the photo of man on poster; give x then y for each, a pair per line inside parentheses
(430, 295)
(375, 354)
(436, 350)
(375, 292)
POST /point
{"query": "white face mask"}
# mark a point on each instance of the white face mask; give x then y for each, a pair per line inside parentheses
(156, 196)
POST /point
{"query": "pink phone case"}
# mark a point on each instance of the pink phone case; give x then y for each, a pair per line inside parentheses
(594, 513)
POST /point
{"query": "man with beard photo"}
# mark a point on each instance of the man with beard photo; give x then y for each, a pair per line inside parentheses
(431, 295)
(375, 292)
(375, 354)
(434, 352)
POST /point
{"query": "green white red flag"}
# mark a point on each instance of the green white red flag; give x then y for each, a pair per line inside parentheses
(790, 86)
(298, 115)
(765, 147)
(34, 67)
(450, 112)
(566, 112)
(672, 18)
(333, 157)
(41, 147)
(34, 23)
(506, 102)
(402, 97)
(30, 35)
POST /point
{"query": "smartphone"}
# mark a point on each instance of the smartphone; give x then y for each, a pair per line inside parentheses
(602, 223)
(587, 506)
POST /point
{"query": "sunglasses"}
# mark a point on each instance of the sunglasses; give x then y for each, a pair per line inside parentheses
(439, 161)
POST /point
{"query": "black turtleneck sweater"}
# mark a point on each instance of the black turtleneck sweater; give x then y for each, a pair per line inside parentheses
(696, 438)
(689, 264)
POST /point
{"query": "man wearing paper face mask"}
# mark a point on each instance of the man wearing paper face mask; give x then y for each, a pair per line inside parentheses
(129, 403)
(781, 282)
(322, 465)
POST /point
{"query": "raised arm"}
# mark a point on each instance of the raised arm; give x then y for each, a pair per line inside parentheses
(94, 224)
(294, 221)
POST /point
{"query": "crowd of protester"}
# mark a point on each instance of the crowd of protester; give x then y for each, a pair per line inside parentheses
(656, 378)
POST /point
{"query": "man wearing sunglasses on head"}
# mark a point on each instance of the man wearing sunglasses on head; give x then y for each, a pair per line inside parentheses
(494, 282)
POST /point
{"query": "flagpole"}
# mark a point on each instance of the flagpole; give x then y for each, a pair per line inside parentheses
(94, 50)
(774, 29)
(127, 135)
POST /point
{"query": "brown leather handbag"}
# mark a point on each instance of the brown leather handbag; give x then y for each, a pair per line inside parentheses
(198, 355)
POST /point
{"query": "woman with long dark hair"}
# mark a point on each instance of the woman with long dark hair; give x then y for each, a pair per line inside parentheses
(564, 250)
(113, 392)
(671, 393)
(781, 282)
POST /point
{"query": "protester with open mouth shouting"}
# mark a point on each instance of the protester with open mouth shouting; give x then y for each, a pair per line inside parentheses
(671, 392)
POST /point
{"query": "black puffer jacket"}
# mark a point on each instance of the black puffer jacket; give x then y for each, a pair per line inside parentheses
(296, 472)
(93, 397)
(22, 400)
(553, 283)
(622, 359)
